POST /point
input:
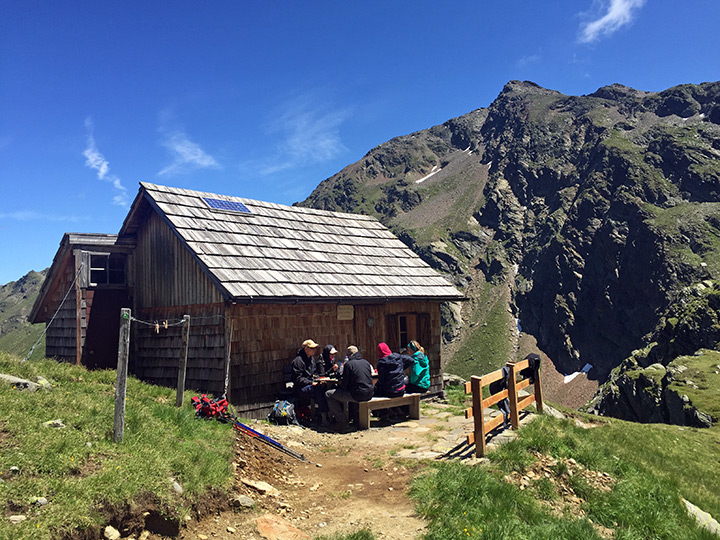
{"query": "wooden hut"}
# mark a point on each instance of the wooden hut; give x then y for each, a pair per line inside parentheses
(256, 279)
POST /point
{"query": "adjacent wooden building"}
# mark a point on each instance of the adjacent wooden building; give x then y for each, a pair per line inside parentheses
(256, 279)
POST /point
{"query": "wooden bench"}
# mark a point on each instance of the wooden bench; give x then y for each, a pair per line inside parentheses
(376, 403)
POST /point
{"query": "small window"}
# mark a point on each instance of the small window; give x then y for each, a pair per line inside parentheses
(107, 269)
(403, 330)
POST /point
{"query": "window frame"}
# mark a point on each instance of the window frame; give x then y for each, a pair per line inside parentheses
(108, 269)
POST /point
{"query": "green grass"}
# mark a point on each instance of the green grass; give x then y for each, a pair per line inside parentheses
(457, 400)
(703, 369)
(652, 466)
(20, 341)
(486, 347)
(80, 469)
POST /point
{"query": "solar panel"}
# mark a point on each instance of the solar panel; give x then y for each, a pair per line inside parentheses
(232, 206)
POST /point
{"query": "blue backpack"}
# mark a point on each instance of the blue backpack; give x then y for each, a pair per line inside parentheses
(283, 413)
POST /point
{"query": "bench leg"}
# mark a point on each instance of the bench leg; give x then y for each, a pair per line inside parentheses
(364, 416)
(415, 409)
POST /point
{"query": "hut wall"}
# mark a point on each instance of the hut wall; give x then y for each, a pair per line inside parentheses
(266, 337)
(61, 336)
(164, 271)
(156, 354)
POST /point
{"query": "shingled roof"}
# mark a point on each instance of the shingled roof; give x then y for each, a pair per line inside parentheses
(274, 252)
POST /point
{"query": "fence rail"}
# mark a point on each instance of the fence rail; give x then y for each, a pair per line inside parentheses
(510, 392)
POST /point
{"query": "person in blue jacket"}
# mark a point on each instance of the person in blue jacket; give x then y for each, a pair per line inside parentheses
(419, 378)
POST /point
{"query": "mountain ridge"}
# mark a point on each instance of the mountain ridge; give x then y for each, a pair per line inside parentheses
(595, 210)
(17, 335)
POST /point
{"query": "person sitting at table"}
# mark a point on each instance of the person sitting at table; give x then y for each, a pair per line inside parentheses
(356, 385)
(391, 367)
(304, 370)
(331, 365)
(418, 381)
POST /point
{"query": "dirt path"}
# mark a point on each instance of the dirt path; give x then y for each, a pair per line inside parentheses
(350, 482)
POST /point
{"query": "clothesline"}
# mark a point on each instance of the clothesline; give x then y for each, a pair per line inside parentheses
(167, 323)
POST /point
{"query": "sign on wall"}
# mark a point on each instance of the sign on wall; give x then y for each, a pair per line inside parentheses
(345, 312)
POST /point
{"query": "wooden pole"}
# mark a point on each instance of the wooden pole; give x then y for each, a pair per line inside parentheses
(228, 353)
(78, 310)
(513, 396)
(478, 416)
(538, 393)
(182, 369)
(122, 368)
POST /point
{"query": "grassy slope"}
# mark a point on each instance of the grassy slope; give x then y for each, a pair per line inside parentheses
(17, 335)
(700, 381)
(80, 469)
(21, 340)
(485, 346)
(652, 466)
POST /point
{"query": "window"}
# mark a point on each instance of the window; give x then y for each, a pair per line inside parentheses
(107, 269)
(403, 330)
(404, 327)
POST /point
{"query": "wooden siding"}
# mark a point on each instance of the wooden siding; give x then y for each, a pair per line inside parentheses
(156, 355)
(61, 335)
(165, 273)
(266, 337)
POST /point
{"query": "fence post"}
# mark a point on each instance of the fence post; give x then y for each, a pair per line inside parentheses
(513, 397)
(478, 415)
(538, 393)
(122, 367)
(182, 368)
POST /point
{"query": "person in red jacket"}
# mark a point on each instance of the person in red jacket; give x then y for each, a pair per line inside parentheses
(391, 372)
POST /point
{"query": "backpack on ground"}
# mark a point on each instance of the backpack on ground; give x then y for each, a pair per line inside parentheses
(211, 408)
(283, 413)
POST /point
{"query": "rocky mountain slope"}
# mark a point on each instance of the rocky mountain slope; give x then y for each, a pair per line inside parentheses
(675, 379)
(592, 212)
(17, 335)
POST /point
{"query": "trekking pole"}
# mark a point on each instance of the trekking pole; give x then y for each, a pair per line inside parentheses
(242, 428)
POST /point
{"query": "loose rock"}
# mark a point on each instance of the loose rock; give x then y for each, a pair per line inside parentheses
(111, 533)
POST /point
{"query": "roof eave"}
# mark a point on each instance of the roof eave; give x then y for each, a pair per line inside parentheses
(341, 299)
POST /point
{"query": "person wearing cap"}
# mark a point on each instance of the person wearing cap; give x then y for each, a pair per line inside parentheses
(356, 385)
(332, 367)
(304, 369)
(419, 378)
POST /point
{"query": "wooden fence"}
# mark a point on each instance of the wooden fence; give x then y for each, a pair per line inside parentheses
(476, 412)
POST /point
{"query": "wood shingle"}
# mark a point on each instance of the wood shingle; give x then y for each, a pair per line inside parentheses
(293, 253)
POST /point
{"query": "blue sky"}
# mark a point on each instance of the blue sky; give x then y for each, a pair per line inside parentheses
(267, 99)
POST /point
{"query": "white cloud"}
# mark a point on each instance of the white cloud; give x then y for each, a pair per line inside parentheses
(528, 59)
(96, 161)
(619, 13)
(187, 155)
(308, 133)
(32, 215)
